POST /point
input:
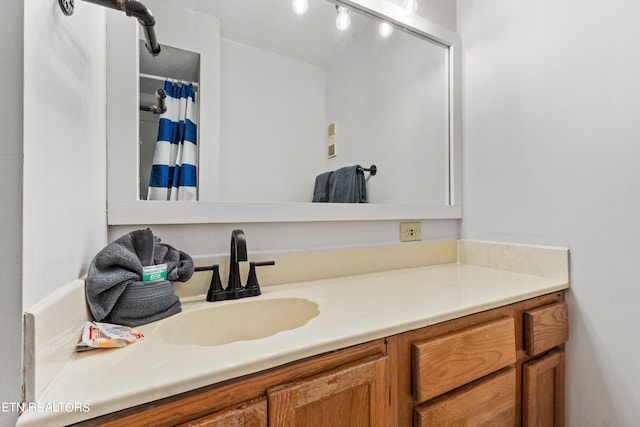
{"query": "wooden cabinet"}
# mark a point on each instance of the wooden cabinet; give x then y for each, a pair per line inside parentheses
(543, 391)
(488, 402)
(352, 379)
(350, 396)
(500, 367)
(461, 363)
(251, 414)
(546, 327)
(446, 362)
(489, 368)
(546, 330)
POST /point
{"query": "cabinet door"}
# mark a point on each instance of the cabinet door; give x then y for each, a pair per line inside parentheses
(354, 395)
(543, 391)
(251, 414)
(490, 401)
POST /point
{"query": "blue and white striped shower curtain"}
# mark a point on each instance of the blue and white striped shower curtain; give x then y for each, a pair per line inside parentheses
(174, 169)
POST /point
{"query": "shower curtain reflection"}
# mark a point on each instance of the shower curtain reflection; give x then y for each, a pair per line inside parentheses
(174, 170)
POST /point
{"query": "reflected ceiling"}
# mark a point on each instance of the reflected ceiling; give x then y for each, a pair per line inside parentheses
(272, 25)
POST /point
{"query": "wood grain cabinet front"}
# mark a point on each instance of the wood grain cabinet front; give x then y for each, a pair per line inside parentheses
(351, 396)
(460, 357)
(543, 391)
(352, 378)
(467, 376)
(250, 414)
(488, 402)
(485, 369)
(546, 329)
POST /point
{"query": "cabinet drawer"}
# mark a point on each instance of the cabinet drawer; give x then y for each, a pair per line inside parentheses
(546, 327)
(447, 362)
(488, 402)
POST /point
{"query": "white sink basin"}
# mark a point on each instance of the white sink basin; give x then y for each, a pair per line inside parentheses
(249, 319)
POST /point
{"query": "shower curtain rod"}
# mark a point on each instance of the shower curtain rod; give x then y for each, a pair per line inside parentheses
(132, 8)
(162, 79)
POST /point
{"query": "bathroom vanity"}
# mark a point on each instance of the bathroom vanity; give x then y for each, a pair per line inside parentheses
(478, 332)
(500, 367)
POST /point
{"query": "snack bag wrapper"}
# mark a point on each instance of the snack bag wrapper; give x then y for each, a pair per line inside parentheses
(106, 335)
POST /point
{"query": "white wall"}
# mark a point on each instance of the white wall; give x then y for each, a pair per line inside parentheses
(551, 152)
(64, 99)
(272, 125)
(441, 12)
(53, 212)
(64, 144)
(389, 99)
(11, 53)
(264, 239)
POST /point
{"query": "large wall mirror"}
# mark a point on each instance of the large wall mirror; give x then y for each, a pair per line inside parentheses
(276, 90)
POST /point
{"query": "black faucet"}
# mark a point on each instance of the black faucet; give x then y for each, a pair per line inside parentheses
(234, 289)
(238, 253)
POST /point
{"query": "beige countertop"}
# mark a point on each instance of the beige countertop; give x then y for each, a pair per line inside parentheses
(352, 309)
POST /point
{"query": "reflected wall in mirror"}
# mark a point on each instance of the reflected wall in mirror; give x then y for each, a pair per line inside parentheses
(285, 78)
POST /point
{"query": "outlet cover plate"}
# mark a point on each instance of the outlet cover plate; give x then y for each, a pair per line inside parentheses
(410, 231)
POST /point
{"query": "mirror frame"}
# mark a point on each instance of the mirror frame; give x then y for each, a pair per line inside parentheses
(124, 208)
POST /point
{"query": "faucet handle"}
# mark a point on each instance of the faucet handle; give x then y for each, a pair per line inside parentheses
(216, 292)
(253, 288)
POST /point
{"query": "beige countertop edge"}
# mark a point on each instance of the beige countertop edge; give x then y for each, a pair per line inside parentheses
(111, 380)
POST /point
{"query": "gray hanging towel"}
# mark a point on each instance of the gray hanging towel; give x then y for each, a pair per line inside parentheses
(321, 188)
(114, 289)
(348, 185)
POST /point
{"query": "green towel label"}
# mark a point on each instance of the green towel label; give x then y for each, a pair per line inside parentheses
(154, 273)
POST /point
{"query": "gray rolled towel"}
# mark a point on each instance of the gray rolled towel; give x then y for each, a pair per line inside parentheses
(144, 302)
(114, 289)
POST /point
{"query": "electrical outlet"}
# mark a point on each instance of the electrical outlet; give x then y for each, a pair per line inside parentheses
(410, 231)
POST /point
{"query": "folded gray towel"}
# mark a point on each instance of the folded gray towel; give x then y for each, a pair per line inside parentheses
(114, 289)
(348, 185)
(321, 188)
